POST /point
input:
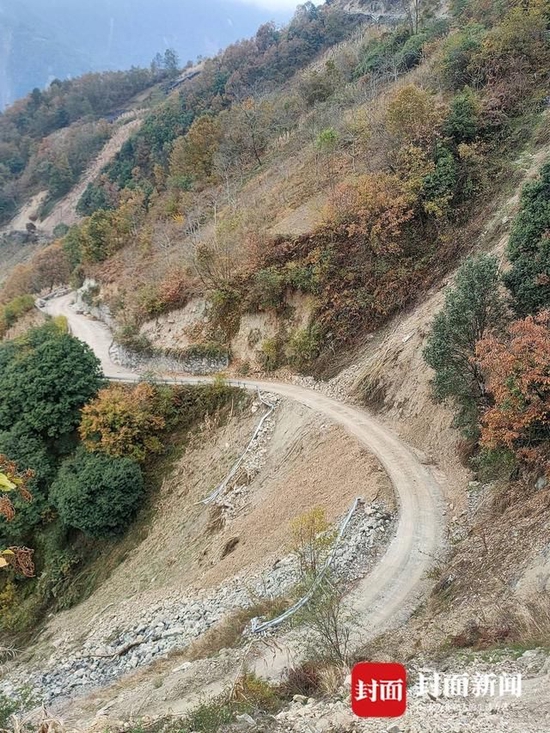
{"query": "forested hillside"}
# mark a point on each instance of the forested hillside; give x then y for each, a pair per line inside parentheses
(402, 167)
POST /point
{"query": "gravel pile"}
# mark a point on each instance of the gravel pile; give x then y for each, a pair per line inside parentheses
(339, 387)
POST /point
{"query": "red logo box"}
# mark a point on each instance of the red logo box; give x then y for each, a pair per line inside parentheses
(378, 690)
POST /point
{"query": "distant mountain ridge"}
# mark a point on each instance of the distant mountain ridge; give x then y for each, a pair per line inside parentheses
(44, 39)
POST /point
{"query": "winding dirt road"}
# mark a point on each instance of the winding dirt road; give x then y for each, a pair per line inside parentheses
(393, 588)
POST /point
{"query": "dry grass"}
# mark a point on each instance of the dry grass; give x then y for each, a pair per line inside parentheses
(228, 633)
(521, 624)
(331, 678)
(532, 622)
(313, 679)
(42, 722)
(7, 653)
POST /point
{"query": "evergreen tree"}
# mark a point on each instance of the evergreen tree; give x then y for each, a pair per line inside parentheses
(171, 63)
(529, 249)
(473, 308)
(98, 494)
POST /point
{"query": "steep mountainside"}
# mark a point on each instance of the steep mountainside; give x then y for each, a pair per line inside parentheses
(314, 270)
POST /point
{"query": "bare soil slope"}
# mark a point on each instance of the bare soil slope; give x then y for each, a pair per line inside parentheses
(307, 463)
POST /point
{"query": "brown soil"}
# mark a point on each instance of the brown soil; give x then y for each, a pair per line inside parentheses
(308, 463)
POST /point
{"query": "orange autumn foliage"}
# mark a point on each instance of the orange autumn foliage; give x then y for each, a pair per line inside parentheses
(517, 372)
(374, 206)
(124, 421)
(48, 267)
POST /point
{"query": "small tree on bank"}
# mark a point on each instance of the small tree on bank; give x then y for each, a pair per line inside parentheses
(325, 617)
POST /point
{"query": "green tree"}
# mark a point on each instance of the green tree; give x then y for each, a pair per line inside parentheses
(440, 186)
(473, 308)
(45, 380)
(193, 155)
(529, 248)
(98, 494)
(462, 123)
(60, 177)
(171, 63)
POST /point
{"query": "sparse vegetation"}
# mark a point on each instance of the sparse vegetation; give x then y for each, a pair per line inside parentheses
(16, 705)
(13, 310)
(325, 619)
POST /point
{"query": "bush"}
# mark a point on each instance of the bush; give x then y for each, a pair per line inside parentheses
(457, 54)
(208, 350)
(270, 354)
(398, 50)
(414, 117)
(303, 346)
(411, 53)
(250, 694)
(462, 123)
(98, 494)
(12, 311)
(301, 277)
(174, 290)
(379, 54)
(494, 465)
(303, 679)
(149, 301)
(60, 230)
(441, 185)
(268, 288)
(126, 421)
(129, 337)
(209, 717)
(514, 56)
(226, 311)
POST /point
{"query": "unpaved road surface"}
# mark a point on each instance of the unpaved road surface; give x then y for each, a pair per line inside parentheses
(392, 589)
